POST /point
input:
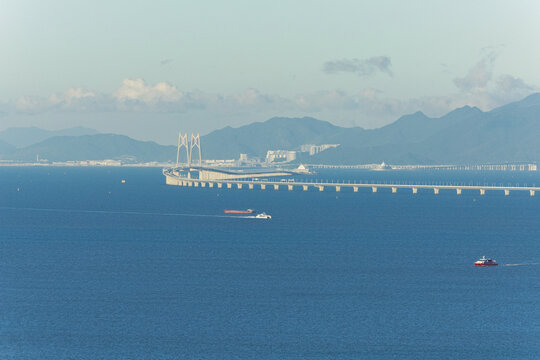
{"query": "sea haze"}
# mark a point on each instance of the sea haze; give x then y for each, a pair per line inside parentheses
(92, 268)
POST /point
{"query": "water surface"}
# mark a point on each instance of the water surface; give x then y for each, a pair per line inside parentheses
(92, 268)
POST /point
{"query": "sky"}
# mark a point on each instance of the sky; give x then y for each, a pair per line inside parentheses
(149, 69)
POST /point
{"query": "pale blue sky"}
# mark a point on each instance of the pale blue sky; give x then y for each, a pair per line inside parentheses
(151, 68)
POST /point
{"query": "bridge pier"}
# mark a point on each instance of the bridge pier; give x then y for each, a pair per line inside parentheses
(250, 184)
(169, 180)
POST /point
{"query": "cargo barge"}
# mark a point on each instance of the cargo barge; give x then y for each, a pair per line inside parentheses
(247, 211)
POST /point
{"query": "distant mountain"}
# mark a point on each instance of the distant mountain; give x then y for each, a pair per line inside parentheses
(290, 133)
(510, 133)
(5, 147)
(25, 136)
(466, 135)
(95, 147)
(277, 133)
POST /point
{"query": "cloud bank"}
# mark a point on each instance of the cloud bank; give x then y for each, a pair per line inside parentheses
(368, 107)
(360, 67)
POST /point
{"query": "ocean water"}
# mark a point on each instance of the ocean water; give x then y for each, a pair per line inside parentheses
(91, 268)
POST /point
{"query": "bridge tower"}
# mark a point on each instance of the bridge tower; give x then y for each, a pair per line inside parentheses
(183, 143)
(195, 143)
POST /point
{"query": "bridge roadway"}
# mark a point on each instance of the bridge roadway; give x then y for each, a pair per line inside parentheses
(173, 179)
(210, 173)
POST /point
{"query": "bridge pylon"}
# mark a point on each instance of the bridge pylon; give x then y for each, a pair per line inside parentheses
(189, 144)
(183, 143)
(195, 143)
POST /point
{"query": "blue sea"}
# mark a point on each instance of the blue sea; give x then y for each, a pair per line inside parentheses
(93, 268)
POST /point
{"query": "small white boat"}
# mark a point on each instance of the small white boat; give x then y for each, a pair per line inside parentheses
(263, 216)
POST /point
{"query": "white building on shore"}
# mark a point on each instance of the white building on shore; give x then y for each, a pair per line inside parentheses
(280, 155)
(315, 149)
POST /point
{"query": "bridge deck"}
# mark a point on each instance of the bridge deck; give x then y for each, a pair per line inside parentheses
(173, 179)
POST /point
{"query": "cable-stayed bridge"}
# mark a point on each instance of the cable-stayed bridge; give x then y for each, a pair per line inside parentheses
(252, 183)
(201, 176)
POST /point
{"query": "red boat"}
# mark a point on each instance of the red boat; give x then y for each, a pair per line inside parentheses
(248, 211)
(485, 262)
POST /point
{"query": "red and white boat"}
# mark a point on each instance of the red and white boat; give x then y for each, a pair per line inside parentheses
(485, 262)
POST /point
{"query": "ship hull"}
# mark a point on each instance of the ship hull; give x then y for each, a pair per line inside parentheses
(484, 265)
(239, 211)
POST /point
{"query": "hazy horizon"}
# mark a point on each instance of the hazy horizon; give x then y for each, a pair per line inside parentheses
(151, 70)
(172, 138)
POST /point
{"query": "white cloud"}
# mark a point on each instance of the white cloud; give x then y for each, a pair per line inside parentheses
(252, 97)
(369, 107)
(510, 83)
(31, 104)
(73, 99)
(137, 90)
(79, 99)
(479, 75)
(71, 95)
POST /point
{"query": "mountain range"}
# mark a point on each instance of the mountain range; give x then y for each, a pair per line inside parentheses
(20, 137)
(467, 135)
(510, 133)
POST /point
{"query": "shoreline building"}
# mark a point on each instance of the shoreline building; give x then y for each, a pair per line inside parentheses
(315, 149)
(280, 155)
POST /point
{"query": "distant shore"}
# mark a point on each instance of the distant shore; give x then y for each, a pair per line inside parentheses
(82, 164)
(374, 167)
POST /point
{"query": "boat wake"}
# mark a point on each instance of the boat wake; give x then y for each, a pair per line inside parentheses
(111, 212)
(524, 264)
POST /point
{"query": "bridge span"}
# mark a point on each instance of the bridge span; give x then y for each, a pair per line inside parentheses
(173, 177)
(209, 173)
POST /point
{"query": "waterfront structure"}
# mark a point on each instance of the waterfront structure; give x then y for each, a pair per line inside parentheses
(208, 173)
(280, 155)
(476, 167)
(315, 149)
(253, 180)
(194, 143)
(183, 175)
